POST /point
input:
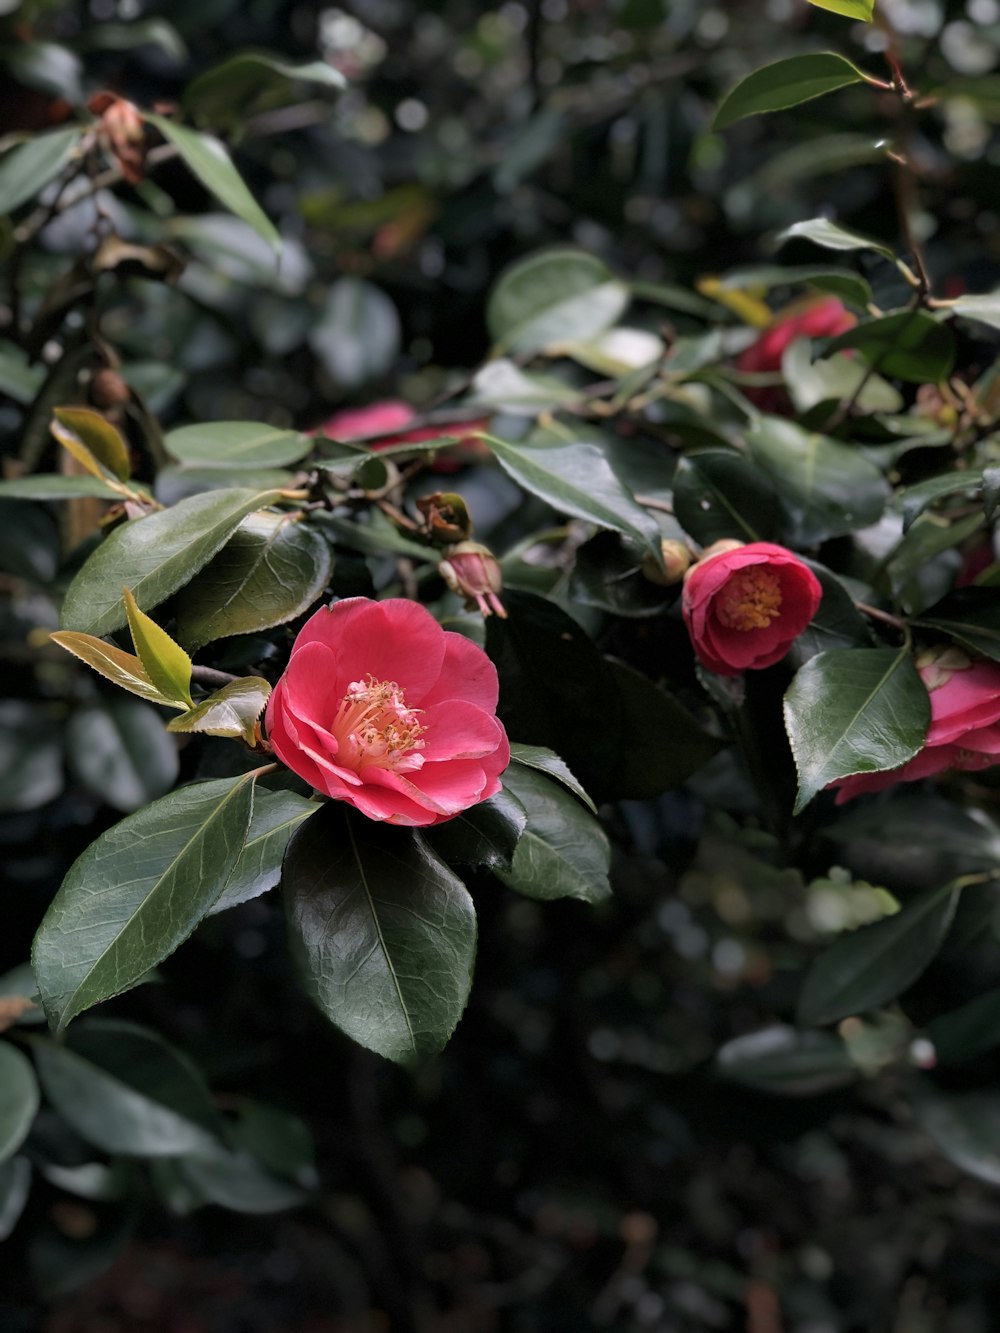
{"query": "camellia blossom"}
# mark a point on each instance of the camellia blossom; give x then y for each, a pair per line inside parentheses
(744, 605)
(964, 732)
(823, 319)
(388, 419)
(381, 707)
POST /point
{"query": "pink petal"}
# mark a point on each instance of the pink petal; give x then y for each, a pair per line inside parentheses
(459, 730)
(466, 673)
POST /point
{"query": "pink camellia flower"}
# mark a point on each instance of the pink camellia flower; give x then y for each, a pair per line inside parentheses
(744, 605)
(965, 723)
(381, 707)
(387, 420)
(823, 319)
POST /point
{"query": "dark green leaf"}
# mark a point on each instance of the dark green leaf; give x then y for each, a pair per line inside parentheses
(26, 169)
(870, 966)
(911, 564)
(991, 491)
(971, 616)
(908, 345)
(138, 892)
(29, 542)
(236, 1180)
(965, 1126)
(484, 835)
(358, 335)
(382, 933)
(821, 231)
(276, 816)
(278, 1140)
(125, 1090)
(920, 496)
(834, 377)
(854, 710)
(837, 624)
(786, 83)
(15, 1186)
(30, 756)
(548, 762)
(718, 494)
(783, 1060)
(608, 574)
(504, 387)
(119, 751)
(963, 1033)
(237, 445)
(18, 1099)
(563, 852)
(271, 570)
(155, 555)
(225, 93)
(552, 297)
(54, 486)
(838, 281)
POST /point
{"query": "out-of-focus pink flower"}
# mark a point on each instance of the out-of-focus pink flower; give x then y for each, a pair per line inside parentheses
(381, 707)
(964, 732)
(744, 605)
(473, 571)
(387, 420)
(124, 131)
(825, 318)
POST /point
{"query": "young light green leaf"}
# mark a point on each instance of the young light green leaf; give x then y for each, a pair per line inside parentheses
(26, 169)
(95, 433)
(786, 83)
(862, 10)
(158, 554)
(231, 711)
(236, 444)
(551, 297)
(213, 166)
(165, 663)
(854, 710)
(870, 966)
(382, 933)
(563, 851)
(138, 892)
(119, 667)
(821, 231)
(18, 1099)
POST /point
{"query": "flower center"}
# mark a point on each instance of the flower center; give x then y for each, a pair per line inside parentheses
(373, 726)
(751, 599)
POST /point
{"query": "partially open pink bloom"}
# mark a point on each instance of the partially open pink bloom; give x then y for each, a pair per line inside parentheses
(744, 605)
(387, 419)
(965, 724)
(381, 707)
(826, 318)
(473, 571)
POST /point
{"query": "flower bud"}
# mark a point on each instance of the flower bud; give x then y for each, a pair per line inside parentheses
(474, 573)
(124, 130)
(446, 518)
(676, 561)
(108, 389)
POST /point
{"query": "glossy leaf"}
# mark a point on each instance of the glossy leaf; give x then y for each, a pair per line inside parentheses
(95, 433)
(232, 711)
(923, 494)
(985, 308)
(54, 486)
(870, 966)
(854, 710)
(908, 345)
(486, 834)
(165, 663)
(838, 281)
(549, 763)
(271, 570)
(837, 623)
(209, 161)
(222, 94)
(15, 1186)
(382, 933)
(276, 816)
(970, 1030)
(718, 494)
(119, 750)
(236, 445)
(965, 1126)
(358, 334)
(862, 10)
(563, 851)
(235, 1179)
(31, 769)
(784, 1060)
(786, 83)
(18, 1099)
(828, 488)
(831, 236)
(26, 169)
(552, 297)
(970, 616)
(157, 554)
(121, 668)
(503, 386)
(138, 892)
(576, 479)
(841, 377)
(125, 1090)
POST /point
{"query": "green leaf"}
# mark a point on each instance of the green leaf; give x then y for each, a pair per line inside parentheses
(662, 744)
(15, 1186)
(18, 1099)
(823, 232)
(991, 491)
(563, 852)
(125, 1090)
(165, 663)
(157, 555)
(484, 835)
(854, 710)
(911, 561)
(278, 1140)
(504, 387)
(119, 750)
(19, 378)
(26, 169)
(862, 10)
(276, 816)
(718, 494)
(236, 444)
(382, 933)
(271, 570)
(231, 711)
(236, 1180)
(224, 94)
(138, 892)
(552, 297)
(31, 769)
(922, 494)
(908, 345)
(54, 486)
(123, 669)
(838, 281)
(870, 966)
(829, 488)
(548, 762)
(842, 377)
(783, 1060)
(97, 434)
(358, 335)
(968, 1031)
(786, 83)
(837, 624)
(576, 479)
(965, 1126)
(985, 308)
(209, 161)
(970, 616)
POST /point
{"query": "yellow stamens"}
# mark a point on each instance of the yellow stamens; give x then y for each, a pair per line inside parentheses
(750, 600)
(374, 726)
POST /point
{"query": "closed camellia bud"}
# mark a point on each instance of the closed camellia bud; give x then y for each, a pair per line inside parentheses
(124, 129)
(676, 562)
(473, 572)
(745, 605)
(382, 708)
(446, 517)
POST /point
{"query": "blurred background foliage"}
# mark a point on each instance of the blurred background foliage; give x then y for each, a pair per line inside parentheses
(576, 1159)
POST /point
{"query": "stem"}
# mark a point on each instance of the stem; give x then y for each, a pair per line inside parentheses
(208, 676)
(883, 616)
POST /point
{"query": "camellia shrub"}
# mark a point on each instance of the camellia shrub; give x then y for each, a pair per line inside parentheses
(736, 540)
